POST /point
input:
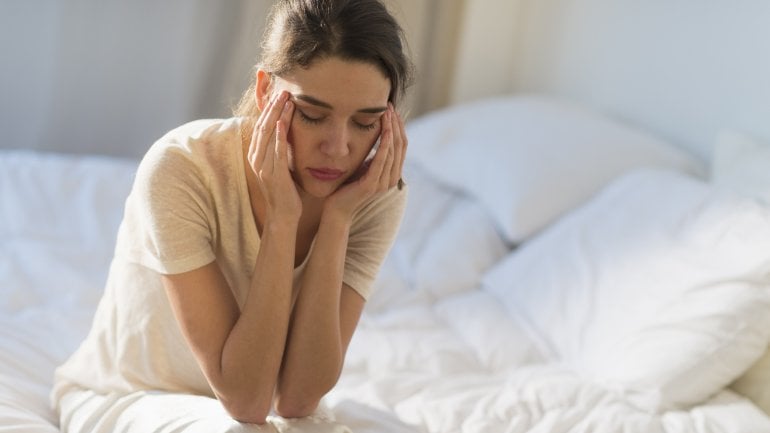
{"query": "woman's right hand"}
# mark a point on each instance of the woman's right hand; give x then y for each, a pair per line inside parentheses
(268, 158)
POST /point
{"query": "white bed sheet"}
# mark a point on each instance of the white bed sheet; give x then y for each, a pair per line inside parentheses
(422, 360)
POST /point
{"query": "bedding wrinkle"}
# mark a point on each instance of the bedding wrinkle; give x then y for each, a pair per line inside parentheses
(639, 309)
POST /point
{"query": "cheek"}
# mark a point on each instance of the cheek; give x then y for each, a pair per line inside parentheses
(299, 133)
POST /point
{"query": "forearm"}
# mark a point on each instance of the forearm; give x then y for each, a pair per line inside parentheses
(252, 353)
(314, 353)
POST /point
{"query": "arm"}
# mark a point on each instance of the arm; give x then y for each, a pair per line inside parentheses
(240, 350)
(325, 316)
(327, 310)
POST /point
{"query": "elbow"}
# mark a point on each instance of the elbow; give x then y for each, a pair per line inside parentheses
(300, 403)
(245, 401)
(246, 411)
(298, 399)
(296, 408)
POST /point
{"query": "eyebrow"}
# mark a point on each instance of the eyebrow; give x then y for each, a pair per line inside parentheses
(317, 102)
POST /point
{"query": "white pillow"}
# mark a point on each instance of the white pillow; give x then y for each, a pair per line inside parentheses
(657, 288)
(742, 164)
(529, 159)
(755, 383)
(439, 225)
(477, 318)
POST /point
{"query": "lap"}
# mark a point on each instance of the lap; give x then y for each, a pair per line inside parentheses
(84, 411)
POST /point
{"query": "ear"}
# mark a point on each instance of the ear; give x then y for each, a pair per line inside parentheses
(263, 86)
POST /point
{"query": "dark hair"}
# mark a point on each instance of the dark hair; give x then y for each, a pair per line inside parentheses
(300, 32)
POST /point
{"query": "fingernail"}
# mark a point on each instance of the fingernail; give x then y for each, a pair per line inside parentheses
(287, 106)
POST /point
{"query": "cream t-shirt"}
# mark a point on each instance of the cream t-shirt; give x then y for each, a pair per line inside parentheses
(189, 206)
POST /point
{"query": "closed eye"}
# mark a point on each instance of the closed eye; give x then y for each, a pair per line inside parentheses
(366, 126)
(316, 120)
(308, 119)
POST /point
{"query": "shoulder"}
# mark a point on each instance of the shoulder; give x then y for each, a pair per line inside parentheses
(198, 137)
(193, 149)
(384, 211)
(202, 129)
(372, 234)
(393, 200)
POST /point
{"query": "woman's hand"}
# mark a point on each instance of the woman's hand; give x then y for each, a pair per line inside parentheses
(268, 158)
(379, 175)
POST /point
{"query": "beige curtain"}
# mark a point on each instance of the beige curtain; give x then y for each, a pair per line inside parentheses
(431, 28)
(463, 49)
(95, 76)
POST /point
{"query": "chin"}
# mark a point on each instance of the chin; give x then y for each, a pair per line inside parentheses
(319, 190)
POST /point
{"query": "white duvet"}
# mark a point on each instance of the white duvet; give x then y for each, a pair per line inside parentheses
(439, 348)
(462, 361)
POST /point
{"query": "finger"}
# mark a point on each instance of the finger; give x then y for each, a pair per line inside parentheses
(262, 118)
(404, 145)
(265, 127)
(386, 180)
(388, 147)
(380, 157)
(282, 135)
(398, 150)
(268, 139)
(258, 148)
(256, 152)
(272, 111)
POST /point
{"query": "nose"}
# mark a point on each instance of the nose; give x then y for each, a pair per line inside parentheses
(336, 144)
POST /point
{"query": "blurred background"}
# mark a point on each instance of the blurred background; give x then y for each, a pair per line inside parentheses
(111, 76)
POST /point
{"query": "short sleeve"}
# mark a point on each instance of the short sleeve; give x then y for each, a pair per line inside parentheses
(372, 234)
(168, 220)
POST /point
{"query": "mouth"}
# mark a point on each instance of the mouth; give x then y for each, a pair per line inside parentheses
(326, 174)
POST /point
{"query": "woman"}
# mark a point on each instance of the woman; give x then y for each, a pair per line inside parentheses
(249, 245)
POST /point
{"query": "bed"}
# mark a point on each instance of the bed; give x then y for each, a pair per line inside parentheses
(557, 270)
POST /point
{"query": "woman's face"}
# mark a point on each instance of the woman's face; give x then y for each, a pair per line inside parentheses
(336, 121)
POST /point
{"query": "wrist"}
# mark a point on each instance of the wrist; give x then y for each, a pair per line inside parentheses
(281, 226)
(336, 218)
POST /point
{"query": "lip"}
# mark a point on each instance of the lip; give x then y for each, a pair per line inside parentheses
(326, 174)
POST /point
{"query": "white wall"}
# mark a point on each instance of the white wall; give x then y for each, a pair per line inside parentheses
(27, 59)
(684, 68)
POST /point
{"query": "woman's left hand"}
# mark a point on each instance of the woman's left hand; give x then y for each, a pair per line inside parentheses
(381, 174)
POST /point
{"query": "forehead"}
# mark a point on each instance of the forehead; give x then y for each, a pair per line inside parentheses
(345, 85)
